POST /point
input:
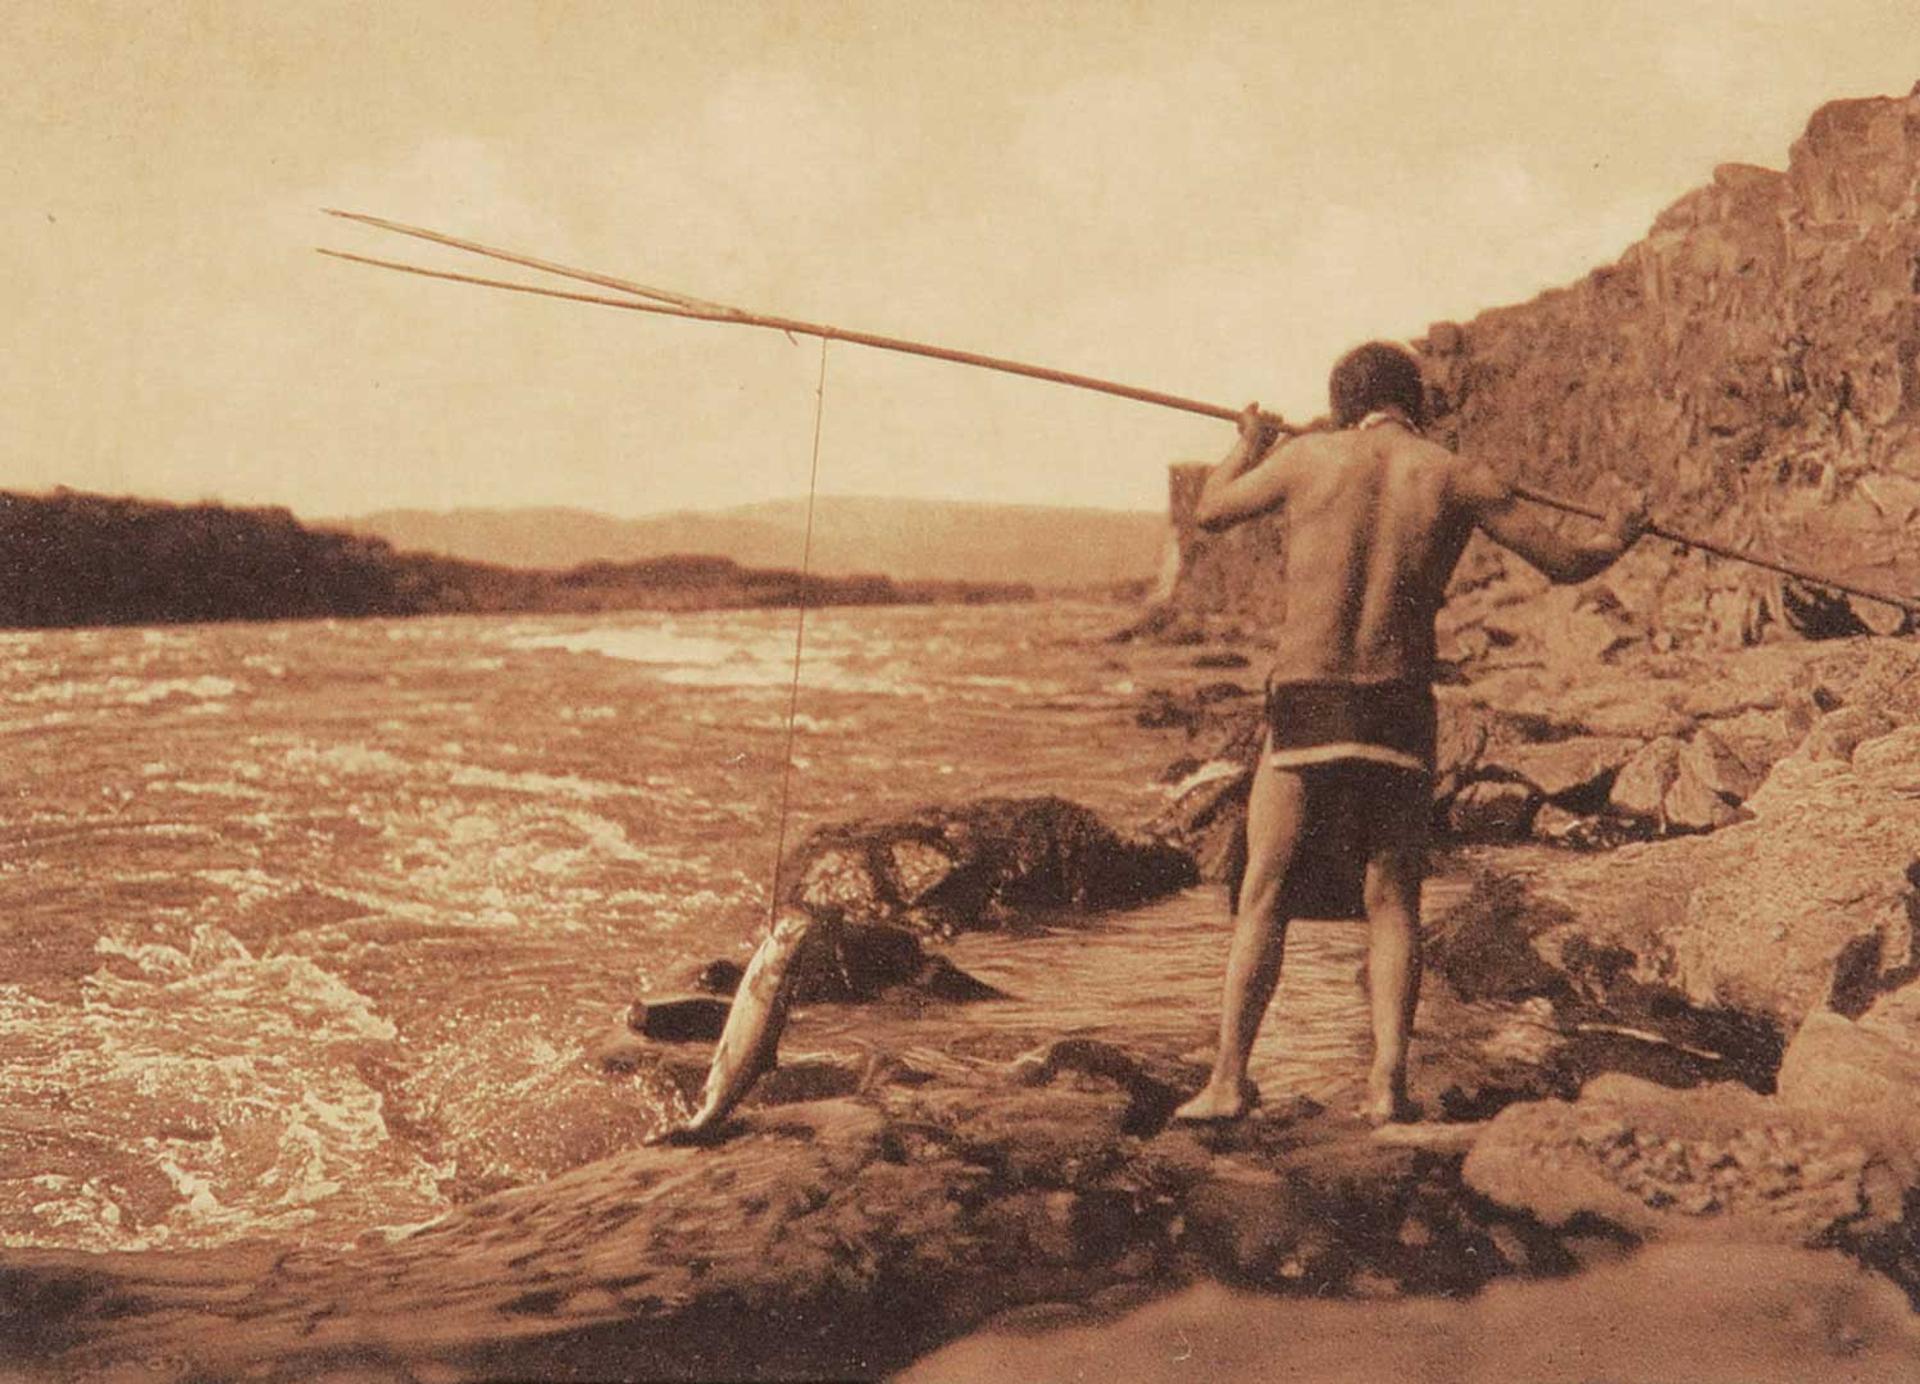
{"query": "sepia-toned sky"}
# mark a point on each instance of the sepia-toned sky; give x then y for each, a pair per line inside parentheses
(1211, 199)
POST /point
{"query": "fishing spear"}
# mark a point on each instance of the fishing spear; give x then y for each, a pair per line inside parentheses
(667, 303)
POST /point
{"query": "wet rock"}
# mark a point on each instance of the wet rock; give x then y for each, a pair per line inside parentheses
(870, 1225)
(1251, 1223)
(845, 961)
(1486, 945)
(812, 1079)
(1233, 733)
(1180, 770)
(982, 864)
(1586, 934)
(1576, 831)
(718, 977)
(1210, 713)
(1150, 1098)
(940, 979)
(838, 962)
(678, 1018)
(620, 1050)
(1165, 624)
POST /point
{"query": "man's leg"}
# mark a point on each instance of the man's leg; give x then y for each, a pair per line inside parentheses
(1396, 864)
(1275, 813)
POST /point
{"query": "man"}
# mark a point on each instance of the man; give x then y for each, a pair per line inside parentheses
(1376, 517)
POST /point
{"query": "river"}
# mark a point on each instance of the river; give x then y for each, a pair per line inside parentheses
(310, 924)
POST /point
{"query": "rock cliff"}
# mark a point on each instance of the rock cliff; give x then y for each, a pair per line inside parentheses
(1754, 363)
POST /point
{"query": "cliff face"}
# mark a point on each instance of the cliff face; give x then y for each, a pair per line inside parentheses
(1754, 363)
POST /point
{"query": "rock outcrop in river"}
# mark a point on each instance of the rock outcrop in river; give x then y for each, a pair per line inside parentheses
(984, 864)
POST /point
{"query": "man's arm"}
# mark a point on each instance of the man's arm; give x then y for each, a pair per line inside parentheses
(1502, 516)
(1247, 482)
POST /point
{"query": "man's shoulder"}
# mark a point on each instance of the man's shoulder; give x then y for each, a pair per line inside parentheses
(1416, 444)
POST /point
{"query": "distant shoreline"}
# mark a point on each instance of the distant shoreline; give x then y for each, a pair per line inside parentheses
(72, 559)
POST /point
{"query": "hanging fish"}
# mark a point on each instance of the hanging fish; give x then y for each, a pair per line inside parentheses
(749, 1045)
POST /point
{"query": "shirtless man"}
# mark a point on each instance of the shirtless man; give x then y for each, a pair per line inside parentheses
(1376, 519)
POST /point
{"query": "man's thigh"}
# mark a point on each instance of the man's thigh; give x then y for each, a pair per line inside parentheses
(1276, 818)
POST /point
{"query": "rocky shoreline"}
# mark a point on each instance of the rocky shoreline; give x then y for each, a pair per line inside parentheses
(1667, 1030)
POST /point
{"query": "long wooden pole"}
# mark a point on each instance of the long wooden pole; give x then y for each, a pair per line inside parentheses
(664, 303)
(718, 313)
(565, 271)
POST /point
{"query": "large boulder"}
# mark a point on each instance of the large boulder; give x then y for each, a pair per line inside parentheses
(1816, 898)
(1717, 1161)
(1811, 902)
(837, 962)
(1863, 1074)
(978, 865)
(1679, 786)
(1575, 773)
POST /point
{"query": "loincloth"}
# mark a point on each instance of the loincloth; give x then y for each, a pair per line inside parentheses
(1390, 723)
(1364, 752)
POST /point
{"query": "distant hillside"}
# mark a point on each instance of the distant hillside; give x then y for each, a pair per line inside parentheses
(77, 559)
(908, 540)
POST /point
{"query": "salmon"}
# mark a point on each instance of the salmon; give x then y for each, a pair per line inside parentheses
(749, 1045)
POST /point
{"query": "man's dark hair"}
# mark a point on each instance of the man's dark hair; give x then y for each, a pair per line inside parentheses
(1375, 376)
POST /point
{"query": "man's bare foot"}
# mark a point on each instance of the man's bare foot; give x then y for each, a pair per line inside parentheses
(1215, 1105)
(1388, 1103)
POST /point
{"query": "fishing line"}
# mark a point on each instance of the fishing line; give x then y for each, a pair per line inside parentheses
(799, 637)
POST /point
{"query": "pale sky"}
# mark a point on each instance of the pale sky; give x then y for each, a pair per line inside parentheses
(1210, 199)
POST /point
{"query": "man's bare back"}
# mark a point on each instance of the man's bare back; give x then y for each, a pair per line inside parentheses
(1374, 529)
(1376, 520)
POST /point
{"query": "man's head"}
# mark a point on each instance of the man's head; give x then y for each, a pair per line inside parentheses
(1376, 376)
